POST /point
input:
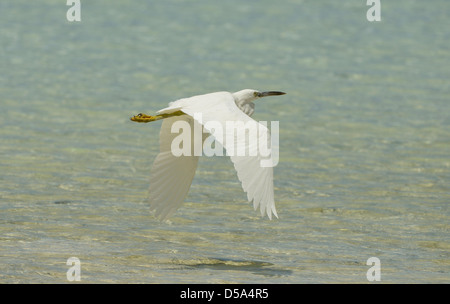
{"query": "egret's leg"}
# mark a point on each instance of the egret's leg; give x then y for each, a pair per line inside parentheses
(147, 118)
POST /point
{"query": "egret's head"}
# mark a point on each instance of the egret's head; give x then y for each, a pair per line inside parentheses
(249, 95)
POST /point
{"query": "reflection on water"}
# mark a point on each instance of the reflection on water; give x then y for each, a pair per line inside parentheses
(254, 267)
(364, 141)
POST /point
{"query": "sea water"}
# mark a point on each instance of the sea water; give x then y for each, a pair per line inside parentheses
(364, 141)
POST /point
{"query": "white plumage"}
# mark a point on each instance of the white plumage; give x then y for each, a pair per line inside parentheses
(171, 176)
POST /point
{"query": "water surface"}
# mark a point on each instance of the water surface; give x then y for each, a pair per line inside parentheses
(364, 141)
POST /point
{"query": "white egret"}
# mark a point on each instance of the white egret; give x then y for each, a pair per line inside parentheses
(171, 176)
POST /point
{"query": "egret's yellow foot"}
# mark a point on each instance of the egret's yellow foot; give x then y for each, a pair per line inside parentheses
(144, 118)
(147, 118)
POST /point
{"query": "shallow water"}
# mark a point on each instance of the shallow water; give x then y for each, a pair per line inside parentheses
(364, 165)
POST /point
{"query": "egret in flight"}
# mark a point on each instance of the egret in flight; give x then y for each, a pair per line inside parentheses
(171, 176)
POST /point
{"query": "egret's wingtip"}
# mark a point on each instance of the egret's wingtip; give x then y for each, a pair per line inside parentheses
(274, 211)
(270, 216)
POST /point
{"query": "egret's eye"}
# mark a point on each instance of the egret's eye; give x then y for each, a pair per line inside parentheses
(256, 94)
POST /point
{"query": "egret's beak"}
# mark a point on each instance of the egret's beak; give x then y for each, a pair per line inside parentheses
(270, 93)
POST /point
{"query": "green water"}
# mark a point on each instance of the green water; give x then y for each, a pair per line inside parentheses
(364, 165)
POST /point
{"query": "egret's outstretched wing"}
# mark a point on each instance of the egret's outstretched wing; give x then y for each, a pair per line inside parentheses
(171, 176)
(220, 107)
